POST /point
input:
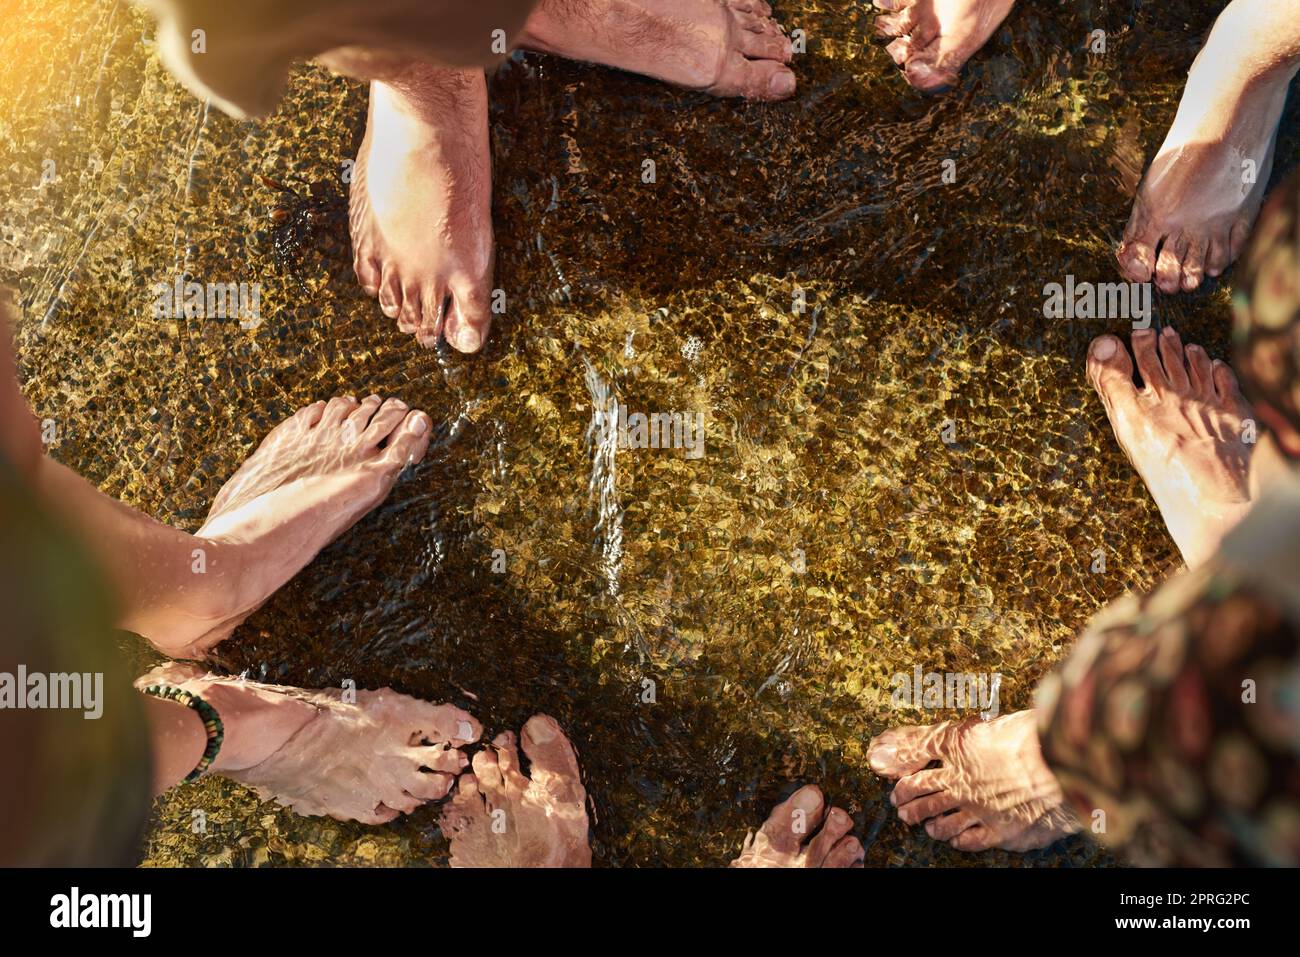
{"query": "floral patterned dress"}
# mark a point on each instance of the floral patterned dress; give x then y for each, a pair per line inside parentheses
(1174, 727)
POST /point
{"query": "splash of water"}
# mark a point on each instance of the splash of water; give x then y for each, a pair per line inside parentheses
(603, 485)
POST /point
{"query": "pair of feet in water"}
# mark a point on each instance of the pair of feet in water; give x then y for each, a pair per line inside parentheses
(314, 476)
(421, 188)
(1203, 191)
(359, 755)
(421, 199)
(499, 817)
(1189, 433)
(371, 756)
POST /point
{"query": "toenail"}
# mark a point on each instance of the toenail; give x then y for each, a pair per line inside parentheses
(782, 84)
(398, 403)
(541, 732)
(419, 424)
(1104, 348)
(884, 754)
(1169, 331)
(1143, 333)
(468, 338)
(807, 801)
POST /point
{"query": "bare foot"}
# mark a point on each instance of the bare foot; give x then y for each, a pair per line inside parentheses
(500, 818)
(421, 205)
(787, 837)
(723, 47)
(1185, 432)
(935, 38)
(992, 790)
(369, 761)
(312, 478)
(1201, 196)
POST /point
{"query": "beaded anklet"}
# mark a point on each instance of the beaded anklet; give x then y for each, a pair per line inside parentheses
(211, 723)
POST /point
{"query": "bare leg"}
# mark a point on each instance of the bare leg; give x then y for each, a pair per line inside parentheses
(1199, 200)
(313, 477)
(177, 740)
(20, 437)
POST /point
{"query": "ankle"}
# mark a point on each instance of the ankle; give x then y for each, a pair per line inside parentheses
(1220, 82)
(257, 719)
(1252, 47)
(203, 587)
(425, 91)
(427, 107)
(221, 585)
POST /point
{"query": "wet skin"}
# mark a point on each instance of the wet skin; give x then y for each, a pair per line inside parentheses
(1202, 193)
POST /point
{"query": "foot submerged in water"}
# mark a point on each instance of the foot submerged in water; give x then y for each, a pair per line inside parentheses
(933, 39)
(1186, 432)
(421, 205)
(314, 752)
(499, 817)
(800, 832)
(722, 47)
(993, 788)
(311, 479)
(1200, 197)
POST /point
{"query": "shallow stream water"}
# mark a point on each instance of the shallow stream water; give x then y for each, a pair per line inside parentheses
(766, 592)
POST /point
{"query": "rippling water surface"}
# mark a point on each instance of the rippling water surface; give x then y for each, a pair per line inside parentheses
(827, 539)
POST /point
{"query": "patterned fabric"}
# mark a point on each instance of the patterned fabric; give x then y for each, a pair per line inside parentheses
(1174, 727)
(1266, 307)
